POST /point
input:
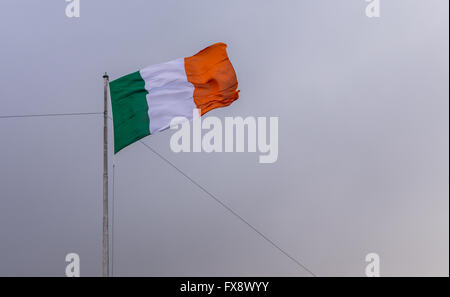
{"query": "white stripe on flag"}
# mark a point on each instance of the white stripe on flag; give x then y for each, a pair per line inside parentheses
(170, 94)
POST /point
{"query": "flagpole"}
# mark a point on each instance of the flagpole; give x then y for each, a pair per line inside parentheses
(105, 242)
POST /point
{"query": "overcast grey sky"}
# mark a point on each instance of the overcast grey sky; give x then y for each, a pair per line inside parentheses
(363, 140)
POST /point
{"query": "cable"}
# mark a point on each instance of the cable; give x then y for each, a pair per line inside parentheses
(48, 115)
(181, 172)
(229, 209)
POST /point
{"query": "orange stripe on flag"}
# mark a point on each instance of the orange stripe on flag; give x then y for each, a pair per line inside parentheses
(213, 76)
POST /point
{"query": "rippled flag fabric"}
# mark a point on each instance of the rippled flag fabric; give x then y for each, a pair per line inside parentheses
(145, 101)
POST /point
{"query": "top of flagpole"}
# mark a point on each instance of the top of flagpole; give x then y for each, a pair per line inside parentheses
(105, 75)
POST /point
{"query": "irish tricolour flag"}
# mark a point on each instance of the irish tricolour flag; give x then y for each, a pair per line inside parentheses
(144, 102)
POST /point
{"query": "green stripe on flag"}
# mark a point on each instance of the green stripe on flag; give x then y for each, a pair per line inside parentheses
(130, 110)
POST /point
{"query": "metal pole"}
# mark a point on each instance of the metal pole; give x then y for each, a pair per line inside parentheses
(112, 219)
(105, 243)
